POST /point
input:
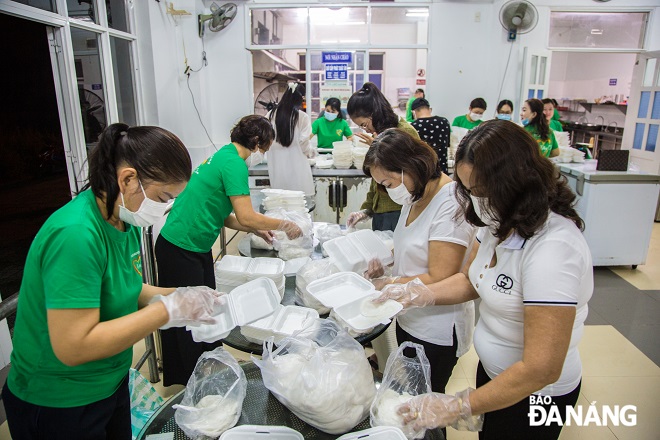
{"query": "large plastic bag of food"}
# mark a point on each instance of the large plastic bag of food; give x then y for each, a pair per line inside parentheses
(407, 374)
(327, 231)
(298, 247)
(257, 242)
(312, 271)
(322, 375)
(214, 396)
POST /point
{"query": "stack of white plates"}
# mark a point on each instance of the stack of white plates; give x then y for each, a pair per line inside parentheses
(568, 154)
(358, 156)
(282, 198)
(232, 271)
(342, 154)
(324, 163)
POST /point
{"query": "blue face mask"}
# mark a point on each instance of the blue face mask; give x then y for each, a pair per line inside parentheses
(330, 116)
(504, 116)
(525, 121)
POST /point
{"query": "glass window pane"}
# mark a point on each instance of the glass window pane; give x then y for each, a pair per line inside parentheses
(533, 68)
(46, 5)
(652, 137)
(117, 15)
(655, 112)
(649, 72)
(620, 30)
(90, 83)
(338, 26)
(123, 75)
(81, 10)
(639, 135)
(644, 105)
(375, 61)
(279, 26)
(542, 67)
(399, 25)
(539, 94)
(530, 94)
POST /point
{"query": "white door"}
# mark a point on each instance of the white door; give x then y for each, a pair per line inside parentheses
(643, 115)
(535, 74)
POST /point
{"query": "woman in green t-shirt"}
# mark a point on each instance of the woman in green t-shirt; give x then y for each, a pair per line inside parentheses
(549, 113)
(331, 127)
(217, 195)
(82, 303)
(531, 115)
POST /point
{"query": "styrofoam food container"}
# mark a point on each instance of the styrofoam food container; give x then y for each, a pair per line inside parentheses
(378, 433)
(267, 267)
(352, 252)
(245, 304)
(339, 289)
(284, 322)
(232, 263)
(252, 432)
(352, 315)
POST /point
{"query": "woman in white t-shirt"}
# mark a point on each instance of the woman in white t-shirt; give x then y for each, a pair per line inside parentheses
(288, 167)
(429, 244)
(533, 273)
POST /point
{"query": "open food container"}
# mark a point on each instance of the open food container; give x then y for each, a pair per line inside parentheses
(345, 293)
(245, 304)
(252, 432)
(285, 321)
(353, 252)
(378, 433)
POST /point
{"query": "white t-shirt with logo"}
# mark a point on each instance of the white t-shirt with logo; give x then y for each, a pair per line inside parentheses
(434, 324)
(553, 268)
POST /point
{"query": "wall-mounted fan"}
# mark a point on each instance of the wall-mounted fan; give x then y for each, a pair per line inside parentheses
(218, 19)
(269, 98)
(518, 17)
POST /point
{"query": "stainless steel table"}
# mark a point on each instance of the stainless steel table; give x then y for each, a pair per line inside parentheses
(260, 407)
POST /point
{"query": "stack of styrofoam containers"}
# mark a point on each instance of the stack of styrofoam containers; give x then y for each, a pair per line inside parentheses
(379, 433)
(282, 323)
(233, 271)
(282, 198)
(353, 252)
(342, 154)
(358, 156)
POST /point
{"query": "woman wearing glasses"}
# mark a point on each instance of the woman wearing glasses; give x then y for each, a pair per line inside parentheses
(372, 112)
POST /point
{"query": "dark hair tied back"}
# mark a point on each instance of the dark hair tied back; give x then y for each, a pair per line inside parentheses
(253, 131)
(369, 102)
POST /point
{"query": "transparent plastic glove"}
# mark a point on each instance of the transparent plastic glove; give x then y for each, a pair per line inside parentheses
(267, 236)
(291, 229)
(191, 306)
(356, 217)
(380, 283)
(436, 410)
(375, 269)
(412, 294)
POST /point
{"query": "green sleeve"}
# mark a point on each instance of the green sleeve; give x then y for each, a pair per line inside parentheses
(369, 202)
(235, 177)
(456, 122)
(72, 267)
(347, 130)
(315, 126)
(409, 115)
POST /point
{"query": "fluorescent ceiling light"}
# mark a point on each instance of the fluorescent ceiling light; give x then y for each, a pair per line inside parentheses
(596, 32)
(277, 59)
(424, 10)
(328, 41)
(417, 14)
(338, 23)
(349, 41)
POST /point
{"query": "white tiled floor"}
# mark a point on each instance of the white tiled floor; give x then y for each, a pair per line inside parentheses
(615, 372)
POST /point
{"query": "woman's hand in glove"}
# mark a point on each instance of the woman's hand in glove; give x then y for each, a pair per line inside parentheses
(266, 235)
(291, 229)
(412, 294)
(435, 410)
(191, 306)
(356, 217)
(375, 269)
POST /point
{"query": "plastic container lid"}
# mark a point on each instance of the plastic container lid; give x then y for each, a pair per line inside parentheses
(353, 252)
(267, 267)
(351, 313)
(378, 433)
(251, 432)
(232, 263)
(339, 289)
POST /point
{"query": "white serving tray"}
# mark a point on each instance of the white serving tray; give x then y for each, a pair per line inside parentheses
(378, 433)
(353, 252)
(340, 288)
(245, 304)
(252, 432)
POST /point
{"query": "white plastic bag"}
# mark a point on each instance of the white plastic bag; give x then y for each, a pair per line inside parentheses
(322, 375)
(298, 247)
(404, 378)
(312, 271)
(214, 396)
(257, 242)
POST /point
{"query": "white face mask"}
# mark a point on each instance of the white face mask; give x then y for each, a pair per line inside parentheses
(400, 194)
(147, 214)
(330, 116)
(485, 217)
(476, 116)
(255, 158)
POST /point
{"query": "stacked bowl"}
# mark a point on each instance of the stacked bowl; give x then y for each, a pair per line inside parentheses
(342, 154)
